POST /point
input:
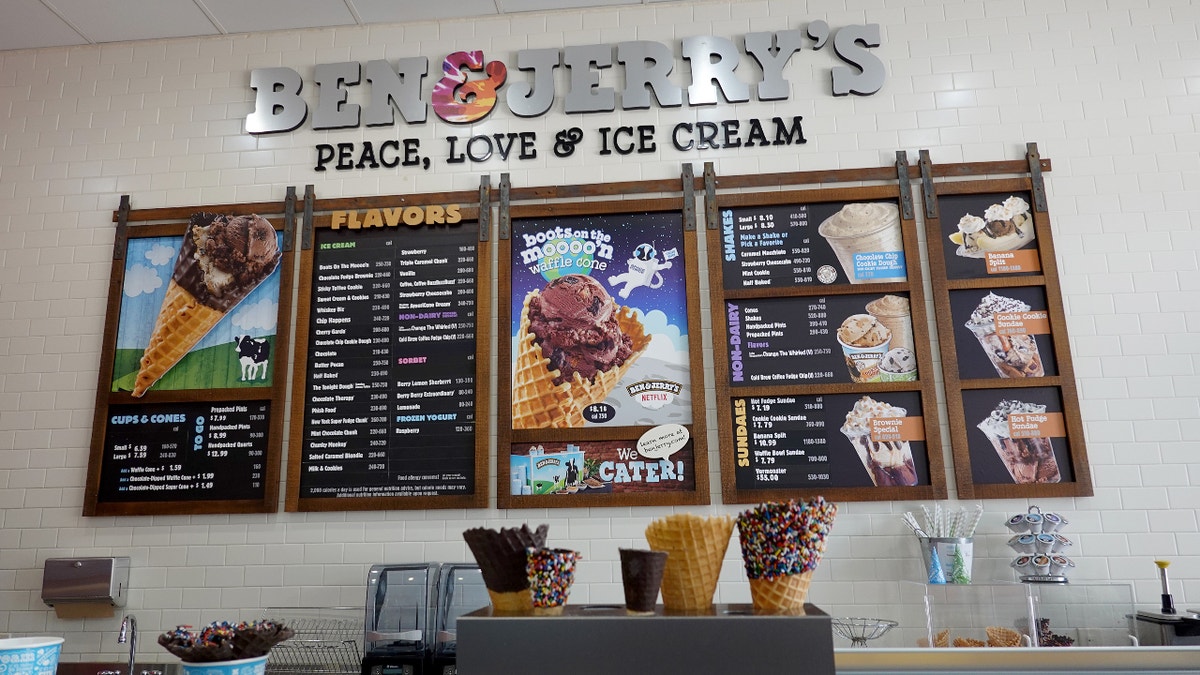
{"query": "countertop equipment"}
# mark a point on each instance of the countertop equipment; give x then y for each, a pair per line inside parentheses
(398, 633)
(460, 589)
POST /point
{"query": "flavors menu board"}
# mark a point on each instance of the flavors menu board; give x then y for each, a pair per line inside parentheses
(834, 440)
(185, 451)
(811, 245)
(1010, 383)
(821, 353)
(389, 404)
(189, 408)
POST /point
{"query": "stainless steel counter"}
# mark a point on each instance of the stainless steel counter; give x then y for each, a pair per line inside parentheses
(1140, 660)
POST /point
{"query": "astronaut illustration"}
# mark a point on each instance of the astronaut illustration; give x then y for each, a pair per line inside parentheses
(644, 269)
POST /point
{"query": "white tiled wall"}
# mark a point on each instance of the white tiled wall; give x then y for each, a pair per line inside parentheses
(1109, 90)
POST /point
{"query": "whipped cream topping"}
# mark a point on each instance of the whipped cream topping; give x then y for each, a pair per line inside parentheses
(858, 420)
(991, 304)
(970, 224)
(996, 422)
(861, 218)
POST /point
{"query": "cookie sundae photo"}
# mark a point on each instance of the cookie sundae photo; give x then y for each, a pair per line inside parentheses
(575, 343)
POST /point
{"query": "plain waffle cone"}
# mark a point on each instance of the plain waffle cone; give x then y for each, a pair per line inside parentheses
(539, 403)
(999, 636)
(785, 593)
(695, 549)
(513, 601)
(182, 322)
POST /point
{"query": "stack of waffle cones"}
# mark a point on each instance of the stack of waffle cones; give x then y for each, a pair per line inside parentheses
(999, 636)
(782, 542)
(695, 549)
(502, 556)
(539, 403)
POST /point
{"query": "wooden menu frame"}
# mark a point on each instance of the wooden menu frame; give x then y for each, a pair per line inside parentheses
(171, 468)
(586, 201)
(408, 215)
(888, 184)
(954, 293)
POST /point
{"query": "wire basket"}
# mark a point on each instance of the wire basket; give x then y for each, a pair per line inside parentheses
(859, 630)
(327, 640)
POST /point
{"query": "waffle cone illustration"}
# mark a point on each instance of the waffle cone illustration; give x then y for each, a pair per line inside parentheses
(543, 395)
(781, 594)
(221, 260)
(695, 549)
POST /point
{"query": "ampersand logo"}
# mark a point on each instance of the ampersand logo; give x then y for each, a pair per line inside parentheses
(459, 101)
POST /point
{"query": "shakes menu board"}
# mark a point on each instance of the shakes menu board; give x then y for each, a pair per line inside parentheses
(189, 415)
(386, 409)
(601, 358)
(822, 361)
(1010, 384)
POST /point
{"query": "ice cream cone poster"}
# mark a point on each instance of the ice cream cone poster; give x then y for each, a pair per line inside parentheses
(598, 467)
(1002, 333)
(988, 234)
(832, 440)
(199, 311)
(1017, 436)
(599, 322)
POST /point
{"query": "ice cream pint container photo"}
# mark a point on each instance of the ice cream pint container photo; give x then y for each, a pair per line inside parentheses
(1012, 356)
(898, 365)
(889, 463)
(867, 240)
(864, 341)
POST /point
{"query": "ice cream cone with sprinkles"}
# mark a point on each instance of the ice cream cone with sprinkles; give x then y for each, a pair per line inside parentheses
(782, 543)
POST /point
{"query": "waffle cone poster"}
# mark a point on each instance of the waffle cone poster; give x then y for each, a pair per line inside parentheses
(200, 311)
(599, 322)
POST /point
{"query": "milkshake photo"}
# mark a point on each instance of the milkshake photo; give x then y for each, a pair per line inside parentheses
(868, 242)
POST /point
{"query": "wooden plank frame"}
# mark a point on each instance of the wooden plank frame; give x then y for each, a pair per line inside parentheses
(173, 221)
(872, 184)
(1058, 384)
(589, 200)
(473, 207)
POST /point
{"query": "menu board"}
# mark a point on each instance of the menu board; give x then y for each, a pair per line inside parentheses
(601, 359)
(189, 413)
(832, 440)
(821, 352)
(835, 338)
(1009, 379)
(389, 404)
(388, 385)
(185, 451)
(811, 244)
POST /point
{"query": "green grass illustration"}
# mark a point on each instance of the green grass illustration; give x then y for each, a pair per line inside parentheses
(214, 367)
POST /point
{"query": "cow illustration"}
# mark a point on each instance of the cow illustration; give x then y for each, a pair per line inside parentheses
(254, 356)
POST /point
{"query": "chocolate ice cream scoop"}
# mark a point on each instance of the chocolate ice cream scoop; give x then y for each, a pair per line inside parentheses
(223, 258)
(574, 320)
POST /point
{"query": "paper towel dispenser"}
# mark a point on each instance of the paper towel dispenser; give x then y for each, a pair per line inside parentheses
(85, 581)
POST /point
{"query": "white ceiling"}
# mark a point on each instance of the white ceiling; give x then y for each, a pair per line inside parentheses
(27, 24)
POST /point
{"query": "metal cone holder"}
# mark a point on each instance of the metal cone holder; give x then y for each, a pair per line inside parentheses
(1040, 547)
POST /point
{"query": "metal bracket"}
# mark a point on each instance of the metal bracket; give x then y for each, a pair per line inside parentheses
(289, 218)
(689, 198)
(306, 242)
(906, 199)
(122, 224)
(485, 207)
(928, 193)
(505, 224)
(1035, 174)
(710, 196)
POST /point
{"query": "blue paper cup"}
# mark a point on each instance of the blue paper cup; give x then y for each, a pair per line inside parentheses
(254, 666)
(30, 655)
